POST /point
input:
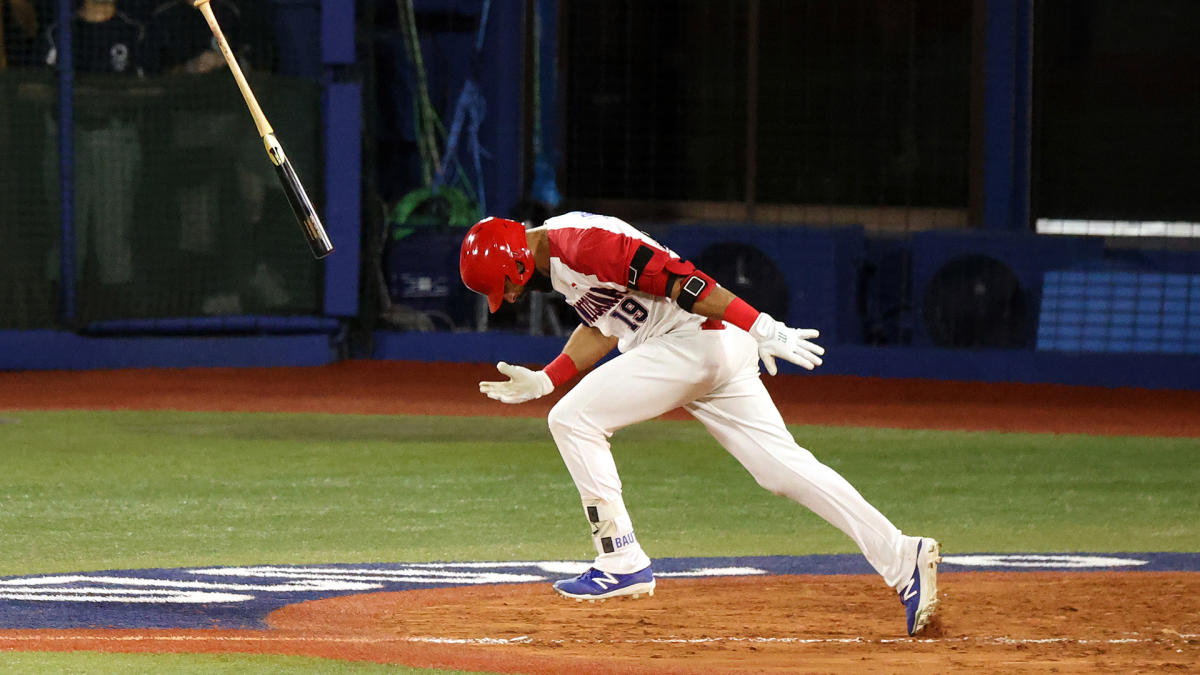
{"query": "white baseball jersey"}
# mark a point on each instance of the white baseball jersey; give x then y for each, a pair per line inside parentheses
(713, 374)
(589, 265)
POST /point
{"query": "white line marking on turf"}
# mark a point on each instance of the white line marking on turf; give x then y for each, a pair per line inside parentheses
(525, 639)
(714, 572)
(1056, 560)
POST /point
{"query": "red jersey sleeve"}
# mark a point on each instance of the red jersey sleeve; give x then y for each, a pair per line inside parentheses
(599, 252)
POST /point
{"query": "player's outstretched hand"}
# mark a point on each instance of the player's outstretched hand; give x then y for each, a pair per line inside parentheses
(522, 385)
(790, 344)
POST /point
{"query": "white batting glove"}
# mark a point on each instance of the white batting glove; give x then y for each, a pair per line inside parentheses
(522, 385)
(790, 344)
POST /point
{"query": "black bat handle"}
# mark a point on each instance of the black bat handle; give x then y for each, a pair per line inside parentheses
(306, 215)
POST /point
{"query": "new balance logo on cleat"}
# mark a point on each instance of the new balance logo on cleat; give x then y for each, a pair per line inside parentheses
(919, 593)
(597, 584)
(605, 580)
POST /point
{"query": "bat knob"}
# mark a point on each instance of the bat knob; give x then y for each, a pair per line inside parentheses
(197, 3)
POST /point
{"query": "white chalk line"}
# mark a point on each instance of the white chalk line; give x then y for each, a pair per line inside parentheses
(527, 640)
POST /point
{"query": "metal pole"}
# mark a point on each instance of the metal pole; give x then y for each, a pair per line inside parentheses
(751, 107)
(65, 63)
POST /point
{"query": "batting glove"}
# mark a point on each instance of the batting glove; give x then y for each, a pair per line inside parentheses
(790, 344)
(523, 384)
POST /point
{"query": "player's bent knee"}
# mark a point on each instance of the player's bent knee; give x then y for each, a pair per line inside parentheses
(563, 419)
(572, 419)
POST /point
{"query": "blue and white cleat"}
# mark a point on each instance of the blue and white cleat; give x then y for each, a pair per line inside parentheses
(595, 585)
(919, 595)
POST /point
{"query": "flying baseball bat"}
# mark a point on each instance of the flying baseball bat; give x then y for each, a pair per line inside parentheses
(307, 216)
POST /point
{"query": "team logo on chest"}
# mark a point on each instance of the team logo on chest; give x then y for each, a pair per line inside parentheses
(599, 301)
(596, 303)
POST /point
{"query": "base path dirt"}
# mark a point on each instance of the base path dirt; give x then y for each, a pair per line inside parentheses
(989, 622)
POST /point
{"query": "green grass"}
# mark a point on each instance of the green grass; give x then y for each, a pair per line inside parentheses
(86, 491)
(101, 490)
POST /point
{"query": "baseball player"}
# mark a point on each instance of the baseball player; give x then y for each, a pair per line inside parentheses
(685, 342)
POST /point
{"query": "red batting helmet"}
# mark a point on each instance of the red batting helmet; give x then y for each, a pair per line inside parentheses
(490, 253)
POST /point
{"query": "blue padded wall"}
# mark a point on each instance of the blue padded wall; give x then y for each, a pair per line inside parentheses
(819, 266)
(1027, 256)
(1120, 312)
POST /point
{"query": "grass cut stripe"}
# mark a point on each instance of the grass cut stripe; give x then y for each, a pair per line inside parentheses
(95, 490)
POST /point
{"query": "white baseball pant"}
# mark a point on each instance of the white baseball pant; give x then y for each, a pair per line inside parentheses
(713, 374)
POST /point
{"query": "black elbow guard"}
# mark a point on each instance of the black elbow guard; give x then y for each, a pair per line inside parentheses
(694, 287)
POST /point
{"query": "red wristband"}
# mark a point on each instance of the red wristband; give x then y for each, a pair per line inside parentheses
(740, 314)
(561, 369)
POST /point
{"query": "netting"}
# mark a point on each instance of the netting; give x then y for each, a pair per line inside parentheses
(858, 126)
(1115, 146)
(170, 207)
(1117, 134)
(875, 114)
(750, 105)
(853, 116)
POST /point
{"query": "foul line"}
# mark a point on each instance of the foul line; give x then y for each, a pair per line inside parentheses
(526, 640)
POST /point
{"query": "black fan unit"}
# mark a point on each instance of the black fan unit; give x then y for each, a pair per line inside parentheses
(976, 301)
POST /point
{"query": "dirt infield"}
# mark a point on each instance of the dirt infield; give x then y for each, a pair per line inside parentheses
(777, 623)
(990, 622)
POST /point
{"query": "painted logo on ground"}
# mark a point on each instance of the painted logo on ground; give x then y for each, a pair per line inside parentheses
(242, 597)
